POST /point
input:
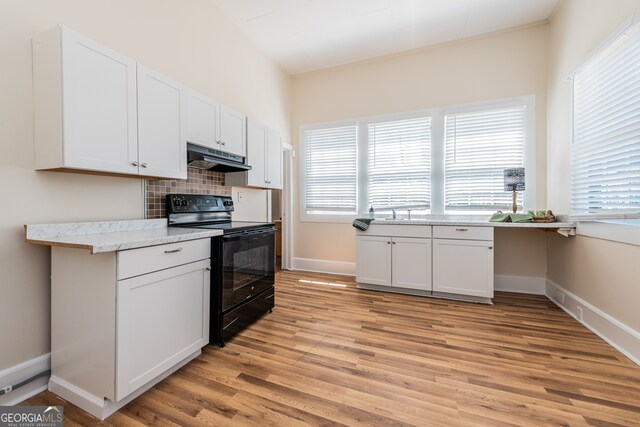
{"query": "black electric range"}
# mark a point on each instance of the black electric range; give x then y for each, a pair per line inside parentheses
(242, 259)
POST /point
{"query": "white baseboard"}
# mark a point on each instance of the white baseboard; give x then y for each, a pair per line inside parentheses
(22, 372)
(324, 266)
(617, 334)
(520, 284)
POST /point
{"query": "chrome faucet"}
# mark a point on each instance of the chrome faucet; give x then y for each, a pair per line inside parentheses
(394, 213)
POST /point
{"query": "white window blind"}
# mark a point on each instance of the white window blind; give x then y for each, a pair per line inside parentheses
(330, 169)
(478, 147)
(605, 176)
(399, 163)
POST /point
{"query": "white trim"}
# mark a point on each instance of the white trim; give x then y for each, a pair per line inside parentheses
(286, 204)
(324, 266)
(613, 230)
(22, 372)
(520, 284)
(620, 336)
(102, 408)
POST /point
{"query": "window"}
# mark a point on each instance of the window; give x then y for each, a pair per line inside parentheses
(605, 176)
(435, 161)
(330, 170)
(479, 146)
(399, 163)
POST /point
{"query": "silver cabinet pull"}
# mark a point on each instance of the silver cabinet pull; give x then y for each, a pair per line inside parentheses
(173, 251)
(462, 229)
(224, 143)
(144, 165)
(134, 164)
(218, 142)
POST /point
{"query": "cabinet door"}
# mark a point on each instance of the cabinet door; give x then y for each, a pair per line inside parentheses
(99, 107)
(203, 115)
(162, 318)
(257, 135)
(233, 131)
(411, 263)
(162, 146)
(274, 160)
(463, 267)
(373, 260)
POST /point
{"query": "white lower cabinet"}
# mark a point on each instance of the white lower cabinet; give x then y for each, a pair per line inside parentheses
(445, 261)
(411, 263)
(373, 263)
(463, 266)
(162, 318)
(402, 262)
(123, 321)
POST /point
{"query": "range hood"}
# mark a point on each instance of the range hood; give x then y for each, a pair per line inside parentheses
(218, 161)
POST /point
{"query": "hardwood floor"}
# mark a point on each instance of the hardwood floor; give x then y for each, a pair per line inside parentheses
(331, 354)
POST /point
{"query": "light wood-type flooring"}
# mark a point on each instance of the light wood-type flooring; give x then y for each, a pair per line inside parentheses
(331, 354)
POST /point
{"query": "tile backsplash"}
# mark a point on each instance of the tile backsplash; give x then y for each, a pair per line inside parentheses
(198, 182)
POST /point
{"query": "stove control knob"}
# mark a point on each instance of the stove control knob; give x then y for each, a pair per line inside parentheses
(176, 203)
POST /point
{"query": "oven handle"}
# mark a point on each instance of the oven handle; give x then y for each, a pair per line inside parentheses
(263, 232)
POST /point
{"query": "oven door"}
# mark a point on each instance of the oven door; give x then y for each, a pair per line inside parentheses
(249, 265)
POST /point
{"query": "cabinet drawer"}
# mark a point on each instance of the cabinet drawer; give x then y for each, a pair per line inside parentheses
(462, 232)
(135, 262)
(397, 230)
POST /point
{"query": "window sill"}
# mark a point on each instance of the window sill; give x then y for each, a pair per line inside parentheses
(616, 230)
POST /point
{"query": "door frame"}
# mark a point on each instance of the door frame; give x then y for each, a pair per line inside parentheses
(286, 202)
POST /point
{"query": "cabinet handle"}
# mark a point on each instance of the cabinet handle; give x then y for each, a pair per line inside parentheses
(173, 251)
(218, 142)
(207, 269)
(144, 165)
(393, 243)
(462, 229)
(490, 247)
(224, 143)
(134, 164)
(388, 243)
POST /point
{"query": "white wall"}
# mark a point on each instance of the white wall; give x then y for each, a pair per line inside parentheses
(604, 274)
(190, 41)
(501, 65)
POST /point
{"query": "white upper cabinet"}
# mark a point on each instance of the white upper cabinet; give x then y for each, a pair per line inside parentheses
(162, 106)
(257, 136)
(274, 160)
(85, 105)
(233, 131)
(203, 121)
(88, 114)
(264, 155)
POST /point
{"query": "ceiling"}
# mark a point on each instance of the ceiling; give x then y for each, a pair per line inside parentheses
(307, 35)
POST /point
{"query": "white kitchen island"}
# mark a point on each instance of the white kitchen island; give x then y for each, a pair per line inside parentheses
(439, 256)
(129, 306)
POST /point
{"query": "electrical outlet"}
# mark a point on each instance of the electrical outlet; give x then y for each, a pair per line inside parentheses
(240, 196)
(561, 297)
(579, 312)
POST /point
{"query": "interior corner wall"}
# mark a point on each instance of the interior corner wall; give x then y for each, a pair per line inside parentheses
(501, 65)
(602, 273)
(190, 41)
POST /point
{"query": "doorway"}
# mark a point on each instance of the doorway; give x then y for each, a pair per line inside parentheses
(280, 208)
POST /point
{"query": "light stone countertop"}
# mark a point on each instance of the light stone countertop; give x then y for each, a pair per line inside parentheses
(470, 221)
(112, 236)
